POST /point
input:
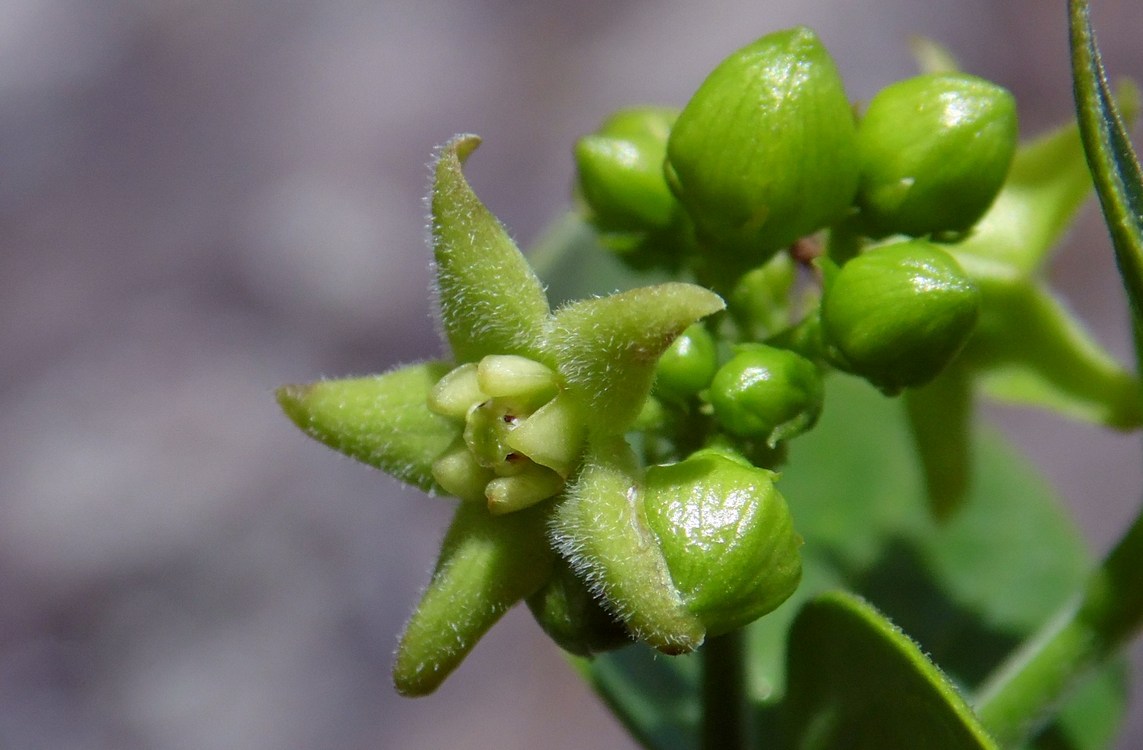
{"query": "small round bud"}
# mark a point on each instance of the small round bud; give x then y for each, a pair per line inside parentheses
(620, 170)
(760, 300)
(898, 314)
(688, 364)
(935, 150)
(766, 393)
(765, 151)
(726, 536)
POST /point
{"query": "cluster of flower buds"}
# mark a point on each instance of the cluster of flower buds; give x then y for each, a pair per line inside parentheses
(529, 419)
(768, 152)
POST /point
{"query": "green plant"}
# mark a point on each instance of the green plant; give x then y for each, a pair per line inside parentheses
(759, 465)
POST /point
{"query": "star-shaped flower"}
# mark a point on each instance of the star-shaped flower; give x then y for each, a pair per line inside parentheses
(529, 397)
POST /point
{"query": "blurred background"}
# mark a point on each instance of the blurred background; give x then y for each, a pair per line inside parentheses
(203, 199)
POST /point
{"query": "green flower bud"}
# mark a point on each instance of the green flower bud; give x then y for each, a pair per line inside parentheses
(935, 151)
(898, 314)
(760, 300)
(765, 151)
(572, 617)
(688, 364)
(726, 536)
(620, 170)
(767, 394)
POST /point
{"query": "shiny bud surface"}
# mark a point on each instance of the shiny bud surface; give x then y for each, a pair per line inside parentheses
(897, 315)
(935, 151)
(688, 364)
(620, 170)
(726, 535)
(765, 151)
(767, 393)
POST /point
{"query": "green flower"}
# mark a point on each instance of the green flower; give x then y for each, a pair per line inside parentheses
(528, 395)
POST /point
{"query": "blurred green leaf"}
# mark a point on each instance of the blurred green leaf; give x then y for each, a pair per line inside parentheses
(857, 681)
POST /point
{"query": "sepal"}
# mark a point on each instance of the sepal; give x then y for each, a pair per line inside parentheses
(490, 300)
(486, 565)
(607, 347)
(379, 420)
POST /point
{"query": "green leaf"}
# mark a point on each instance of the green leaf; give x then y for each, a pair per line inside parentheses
(1113, 163)
(607, 348)
(656, 698)
(487, 564)
(382, 420)
(1029, 349)
(490, 300)
(856, 681)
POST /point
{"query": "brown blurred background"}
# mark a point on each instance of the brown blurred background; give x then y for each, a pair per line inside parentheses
(202, 199)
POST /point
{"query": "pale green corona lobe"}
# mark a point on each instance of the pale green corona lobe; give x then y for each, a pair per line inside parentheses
(617, 341)
(379, 420)
(601, 529)
(490, 300)
(487, 564)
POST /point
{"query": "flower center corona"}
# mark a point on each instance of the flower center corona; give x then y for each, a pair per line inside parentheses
(520, 439)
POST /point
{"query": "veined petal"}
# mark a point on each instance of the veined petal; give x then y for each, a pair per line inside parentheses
(490, 300)
(487, 564)
(606, 348)
(383, 420)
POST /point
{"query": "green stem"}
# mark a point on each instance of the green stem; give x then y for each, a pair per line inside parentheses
(724, 725)
(1018, 698)
(940, 418)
